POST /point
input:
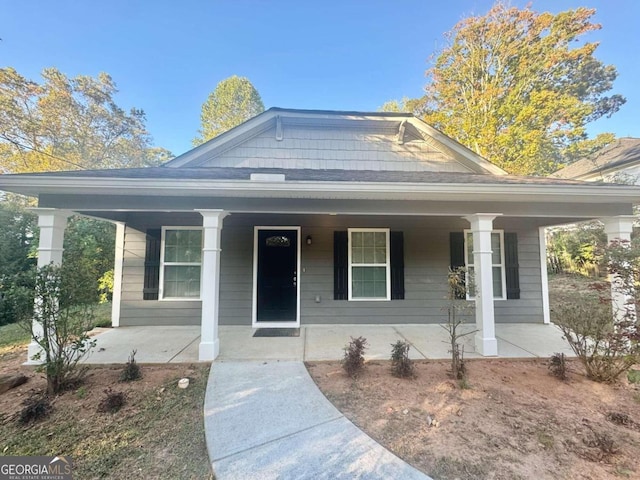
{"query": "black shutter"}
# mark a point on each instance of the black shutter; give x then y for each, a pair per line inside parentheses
(152, 265)
(396, 248)
(511, 265)
(340, 266)
(456, 253)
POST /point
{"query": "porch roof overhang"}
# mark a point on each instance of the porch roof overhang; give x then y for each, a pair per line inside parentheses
(320, 184)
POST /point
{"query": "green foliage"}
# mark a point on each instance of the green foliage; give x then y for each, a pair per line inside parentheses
(401, 365)
(69, 123)
(606, 344)
(353, 360)
(59, 327)
(17, 261)
(88, 251)
(234, 101)
(519, 87)
(578, 249)
(633, 376)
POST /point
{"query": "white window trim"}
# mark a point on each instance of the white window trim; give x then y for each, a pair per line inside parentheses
(503, 269)
(387, 264)
(162, 265)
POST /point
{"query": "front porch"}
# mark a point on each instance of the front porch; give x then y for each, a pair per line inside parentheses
(179, 344)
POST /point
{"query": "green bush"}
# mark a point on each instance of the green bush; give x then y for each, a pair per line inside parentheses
(60, 327)
(353, 360)
(401, 364)
(607, 342)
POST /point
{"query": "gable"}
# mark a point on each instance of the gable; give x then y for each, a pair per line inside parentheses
(312, 147)
(294, 139)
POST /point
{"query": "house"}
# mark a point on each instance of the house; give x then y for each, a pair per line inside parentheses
(299, 217)
(618, 162)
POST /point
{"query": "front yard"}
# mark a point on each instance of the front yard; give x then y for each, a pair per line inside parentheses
(159, 432)
(515, 421)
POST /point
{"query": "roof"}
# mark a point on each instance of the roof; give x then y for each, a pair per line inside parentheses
(299, 175)
(279, 119)
(616, 156)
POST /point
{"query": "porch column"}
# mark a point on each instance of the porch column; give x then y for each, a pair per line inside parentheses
(51, 223)
(619, 229)
(117, 275)
(481, 227)
(210, 287)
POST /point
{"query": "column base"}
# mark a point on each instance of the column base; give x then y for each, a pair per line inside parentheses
(208, 351)
(32, 350)
(487, 347)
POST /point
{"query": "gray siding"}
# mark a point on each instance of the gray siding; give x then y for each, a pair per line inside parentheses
(337, 148)
(426, 266)
(133, 309)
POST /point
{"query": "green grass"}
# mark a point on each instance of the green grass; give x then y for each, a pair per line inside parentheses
(12, 335)
(103, 315)
(161, 437)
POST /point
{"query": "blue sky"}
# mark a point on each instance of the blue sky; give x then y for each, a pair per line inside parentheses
(167, 56)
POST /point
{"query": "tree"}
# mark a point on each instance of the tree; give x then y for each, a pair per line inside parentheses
(68, 124)
(16, 262)
(62, 124)
(519, 87)
(234, 100)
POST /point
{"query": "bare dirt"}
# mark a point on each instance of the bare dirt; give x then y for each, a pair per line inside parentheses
(515, 421)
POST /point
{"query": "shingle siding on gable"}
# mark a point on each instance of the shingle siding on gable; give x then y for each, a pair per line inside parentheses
(332, 148)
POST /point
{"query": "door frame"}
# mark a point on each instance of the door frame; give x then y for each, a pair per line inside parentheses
(254, 307)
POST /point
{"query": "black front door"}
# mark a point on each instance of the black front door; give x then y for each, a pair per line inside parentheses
(277, 275)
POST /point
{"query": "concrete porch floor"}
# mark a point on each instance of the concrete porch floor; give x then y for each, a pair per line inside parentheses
(179, 344)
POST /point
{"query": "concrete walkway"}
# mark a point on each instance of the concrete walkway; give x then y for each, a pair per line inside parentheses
(268, 420)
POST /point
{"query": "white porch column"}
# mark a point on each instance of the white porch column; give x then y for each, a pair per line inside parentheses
(481, 227)
(117, 275)
(52, 223)
(619, 229)
(210, 287)
(544, 276)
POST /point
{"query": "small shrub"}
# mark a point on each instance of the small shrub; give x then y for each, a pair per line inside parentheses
(353, 361)
(401, 364)
(458, 281)
(619, 418)
(633, 376)
(112, 401)
(131, 370)
(558, 366)
(36, 407)
(81, 393)
(603, 442)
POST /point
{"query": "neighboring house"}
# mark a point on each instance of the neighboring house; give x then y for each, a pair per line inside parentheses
(314, 217)
(618, 162)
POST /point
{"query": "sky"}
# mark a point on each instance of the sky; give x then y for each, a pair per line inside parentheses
(167, 56)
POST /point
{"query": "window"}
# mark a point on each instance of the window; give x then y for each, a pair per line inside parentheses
(181, 263)
(497, 263)
(369, 271)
